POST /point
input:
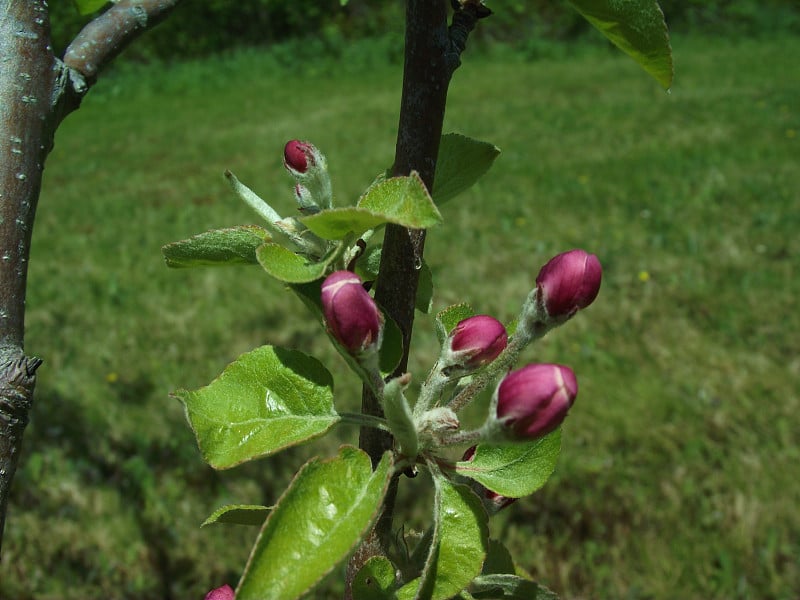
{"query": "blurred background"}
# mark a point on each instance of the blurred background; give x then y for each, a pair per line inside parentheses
(678, 474)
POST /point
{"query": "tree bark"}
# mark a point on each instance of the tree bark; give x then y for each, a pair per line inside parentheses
(37, 90)
(432, 52)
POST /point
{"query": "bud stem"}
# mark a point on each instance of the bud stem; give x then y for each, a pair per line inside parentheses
(431, 390)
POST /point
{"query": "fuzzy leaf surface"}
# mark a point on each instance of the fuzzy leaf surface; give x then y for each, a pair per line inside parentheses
(400, 200)
(320, 518)
(375, 580)
(239, 514)
(462, 161)
(266, 400)
(287, 266)
(448, 318)
(514, 470)
(218, 247)
(459, 545)
(637, 28)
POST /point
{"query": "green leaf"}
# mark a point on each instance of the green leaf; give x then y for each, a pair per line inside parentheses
(266, 400)
(399, 200)
(375, 580)
(219, 247)
(239, 514)
(498, 559)
(462, 161)
(514, 470)
(287, 266)
(459, 544)
(320, 518)
(637, 28)
(391, 349)
(447, 319)
(369, 264)
(86, 7)
(424, 299)
(509, 587)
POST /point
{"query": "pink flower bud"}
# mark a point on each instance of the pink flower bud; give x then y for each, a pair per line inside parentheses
(478, 340)
(353, 317)
(569, 281)
(492, 500)
(221, 593)
(534, 400)
(298, 155)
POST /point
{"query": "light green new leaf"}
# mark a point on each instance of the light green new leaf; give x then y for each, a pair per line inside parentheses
(448, 318)
(320, 518)
(86, 7)
(239, 514)
(375, 580)
(637, 28)
(266, 400)
(459, 545)
(219, 247)
(461, 162)
(399, 200)
(514, 470)
(287, 266)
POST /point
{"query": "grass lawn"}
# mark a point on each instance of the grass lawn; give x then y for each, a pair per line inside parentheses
(678, 474)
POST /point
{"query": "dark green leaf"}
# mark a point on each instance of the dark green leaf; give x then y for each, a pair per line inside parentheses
(219, 247)
(424, 299)
(239, 514)
(320, 518)
(514, 470)
(462, 161)
(637, 28)
(266, 400)
(498, 559)
(509, 587)
(375, 580)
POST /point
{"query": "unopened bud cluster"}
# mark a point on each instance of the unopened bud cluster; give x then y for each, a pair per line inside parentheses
(351, 314)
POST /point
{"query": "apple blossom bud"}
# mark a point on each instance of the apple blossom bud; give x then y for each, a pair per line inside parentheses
(297, 155)
(352, 316)
(568, 282)
(476, 341)
(493, 501)
(221, 593)
(534, 400)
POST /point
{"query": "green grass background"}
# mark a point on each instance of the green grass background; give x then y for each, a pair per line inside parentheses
(678, 476)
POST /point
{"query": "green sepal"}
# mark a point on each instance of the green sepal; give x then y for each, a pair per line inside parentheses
(514, 470)
(448, 318)
(398, 416)
(461, 162)
(400, 200)
(239, 514)
(458, 546)
(266, 400)
(325, 512)
(218, 247)
(375, 580)
(637, 28)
